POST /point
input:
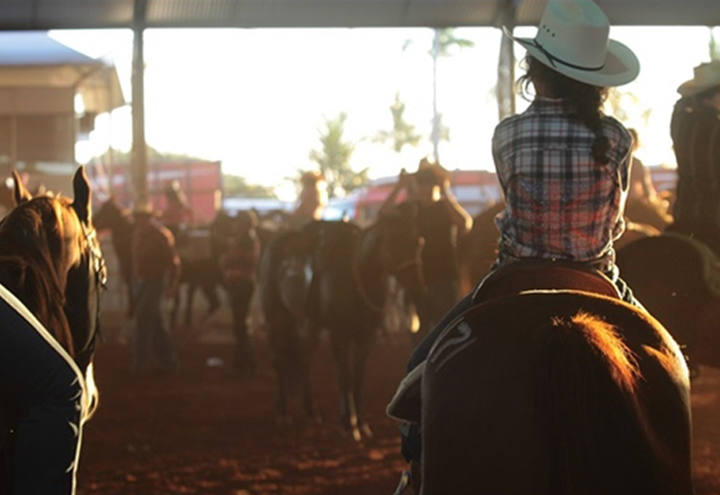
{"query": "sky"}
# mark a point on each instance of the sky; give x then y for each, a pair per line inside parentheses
(256, 99)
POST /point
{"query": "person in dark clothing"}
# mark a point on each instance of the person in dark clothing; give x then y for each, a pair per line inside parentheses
(441, 219)
(695, 129)
(239, 267)
(156, 272)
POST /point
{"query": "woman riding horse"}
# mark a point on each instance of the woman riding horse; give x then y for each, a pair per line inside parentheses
(563, 165)
(51, 272)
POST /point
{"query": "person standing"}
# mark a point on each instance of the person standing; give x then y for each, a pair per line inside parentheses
(239, 266)
(695, 130)
(156, 273)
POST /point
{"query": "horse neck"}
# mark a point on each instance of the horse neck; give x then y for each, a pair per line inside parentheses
(121, 230)
(369, 273)
(39, 297)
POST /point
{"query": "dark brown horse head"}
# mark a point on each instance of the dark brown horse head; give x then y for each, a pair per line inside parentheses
(109, 215)
(400, 245)
(51, 260)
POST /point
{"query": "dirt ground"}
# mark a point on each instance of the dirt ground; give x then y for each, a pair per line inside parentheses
(207, 431)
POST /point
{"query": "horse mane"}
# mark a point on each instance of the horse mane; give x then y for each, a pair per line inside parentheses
(31, 243)
(586, 380)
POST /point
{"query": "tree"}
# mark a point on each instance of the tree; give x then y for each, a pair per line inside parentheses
(235, 185)
(402, 133)
(714, 48)
(334, 158)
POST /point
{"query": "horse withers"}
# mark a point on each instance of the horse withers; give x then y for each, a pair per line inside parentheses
(51, 275)
(333, 275)
(552, 392)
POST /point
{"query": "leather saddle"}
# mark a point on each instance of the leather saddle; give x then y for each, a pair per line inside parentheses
(522, 276)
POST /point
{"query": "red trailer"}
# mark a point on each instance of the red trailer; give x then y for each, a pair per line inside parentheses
(200, 180)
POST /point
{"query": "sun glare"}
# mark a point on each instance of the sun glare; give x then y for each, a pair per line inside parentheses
(256, 99)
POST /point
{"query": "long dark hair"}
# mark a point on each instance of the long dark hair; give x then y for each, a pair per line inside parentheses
(585, 100)
(31, 244)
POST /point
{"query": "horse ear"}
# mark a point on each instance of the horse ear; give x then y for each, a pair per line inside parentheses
(81, 192)
(20, 194)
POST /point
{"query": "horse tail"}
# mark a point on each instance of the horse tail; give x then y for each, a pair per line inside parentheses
(586, 379)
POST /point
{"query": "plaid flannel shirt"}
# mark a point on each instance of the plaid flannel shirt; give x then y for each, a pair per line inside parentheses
(560, 203)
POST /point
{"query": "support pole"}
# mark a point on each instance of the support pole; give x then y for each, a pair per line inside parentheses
(506, 64)
(138, 166)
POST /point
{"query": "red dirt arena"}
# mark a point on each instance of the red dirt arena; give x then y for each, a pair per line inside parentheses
(205, 431)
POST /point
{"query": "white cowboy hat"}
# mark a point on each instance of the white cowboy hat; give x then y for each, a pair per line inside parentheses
(707, 76)
(572, 39)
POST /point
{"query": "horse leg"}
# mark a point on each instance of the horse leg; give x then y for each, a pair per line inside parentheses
(189, 300)
(174, 309)
(308, 339)
(348, 411)
(281, 398)
(239, 295)
(209, 290)
(361, 354)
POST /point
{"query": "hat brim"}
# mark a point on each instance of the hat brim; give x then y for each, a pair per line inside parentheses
(621, 64)
(692, 87)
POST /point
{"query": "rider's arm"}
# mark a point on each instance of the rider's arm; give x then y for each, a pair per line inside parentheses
(401, 184)
(458, 216)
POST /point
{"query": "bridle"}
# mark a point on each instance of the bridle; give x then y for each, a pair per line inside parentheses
(96, 263)
(97, 260)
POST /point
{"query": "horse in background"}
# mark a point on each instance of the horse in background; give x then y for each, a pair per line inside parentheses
(677, 278)
(333, 275)
(200, 272)
(52, 273)
(553, 392)
(477, 249)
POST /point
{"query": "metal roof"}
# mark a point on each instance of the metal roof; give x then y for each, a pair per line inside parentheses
(30, 59)
(68, 14)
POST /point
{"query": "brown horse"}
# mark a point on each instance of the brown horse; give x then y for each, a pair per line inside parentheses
(678, 279)
(555, 392)
(51, 275)
(333, 275)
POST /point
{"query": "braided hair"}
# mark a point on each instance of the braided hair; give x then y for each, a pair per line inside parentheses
(586, 101)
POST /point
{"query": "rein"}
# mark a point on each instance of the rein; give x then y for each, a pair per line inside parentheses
(99, 267)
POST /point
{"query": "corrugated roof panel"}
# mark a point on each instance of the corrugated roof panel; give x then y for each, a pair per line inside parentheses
(68, 14)
(59, 14)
